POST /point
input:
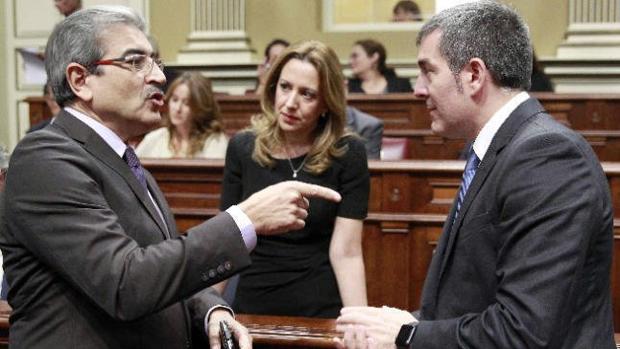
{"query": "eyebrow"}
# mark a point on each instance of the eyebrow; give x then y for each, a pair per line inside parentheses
(301, 87)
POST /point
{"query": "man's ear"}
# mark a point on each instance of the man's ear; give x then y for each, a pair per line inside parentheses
(77, 76)
(476, 75)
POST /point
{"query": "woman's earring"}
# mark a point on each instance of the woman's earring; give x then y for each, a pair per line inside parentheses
(323, 116)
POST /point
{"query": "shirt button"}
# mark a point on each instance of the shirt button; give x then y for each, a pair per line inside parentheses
(212, 273)
(204, 277)
(228, 265)
(220, 269)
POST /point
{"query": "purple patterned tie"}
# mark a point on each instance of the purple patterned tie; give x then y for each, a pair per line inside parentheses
(468, 175)
(131, 159)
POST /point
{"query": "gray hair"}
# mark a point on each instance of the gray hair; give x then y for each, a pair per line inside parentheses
(77, 39)
(488, 30)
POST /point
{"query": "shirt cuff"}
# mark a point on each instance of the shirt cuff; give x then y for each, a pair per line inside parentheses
(245, 226)
(217, 307)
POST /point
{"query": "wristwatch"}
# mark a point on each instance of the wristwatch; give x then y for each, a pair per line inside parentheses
(405, 335)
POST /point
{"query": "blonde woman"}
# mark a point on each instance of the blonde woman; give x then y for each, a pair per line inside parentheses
(192, 123)
(300, 135)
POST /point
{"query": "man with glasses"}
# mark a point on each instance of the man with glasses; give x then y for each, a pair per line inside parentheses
(90, 245)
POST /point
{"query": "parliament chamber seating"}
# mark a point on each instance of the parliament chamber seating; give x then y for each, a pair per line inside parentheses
(405, 117)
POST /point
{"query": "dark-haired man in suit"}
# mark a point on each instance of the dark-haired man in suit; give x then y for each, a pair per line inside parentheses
(91, 251)
(525, 254)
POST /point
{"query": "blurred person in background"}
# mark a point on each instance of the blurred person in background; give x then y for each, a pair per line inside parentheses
(272, 52)
(192, 123)
(67, 7)
(51, 105)
(406, 11)
(370, 74)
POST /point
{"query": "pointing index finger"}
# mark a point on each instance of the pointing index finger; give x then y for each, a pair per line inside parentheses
(313, 190)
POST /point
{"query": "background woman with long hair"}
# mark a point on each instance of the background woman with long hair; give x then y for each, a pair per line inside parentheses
(192, 123)
(370, 73)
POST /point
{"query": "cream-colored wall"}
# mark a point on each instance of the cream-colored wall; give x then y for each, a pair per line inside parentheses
(548, 21)
(170, 25)
(302, 19)
(4, 110)
(296, 20)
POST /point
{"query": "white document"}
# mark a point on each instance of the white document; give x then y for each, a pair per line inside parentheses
(34, 66)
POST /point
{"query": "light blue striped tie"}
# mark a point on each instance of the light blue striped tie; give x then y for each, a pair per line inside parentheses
(468, 176)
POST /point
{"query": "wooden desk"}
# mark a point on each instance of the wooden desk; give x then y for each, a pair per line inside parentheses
(289, 332)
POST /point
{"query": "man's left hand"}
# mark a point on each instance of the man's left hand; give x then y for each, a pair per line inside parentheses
(241, 334)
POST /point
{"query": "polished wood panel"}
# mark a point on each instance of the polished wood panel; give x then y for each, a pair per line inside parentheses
(37, 110)
(289, 332)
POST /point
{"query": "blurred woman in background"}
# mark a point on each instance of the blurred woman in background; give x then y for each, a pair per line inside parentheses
(192, 123)
(371, 75)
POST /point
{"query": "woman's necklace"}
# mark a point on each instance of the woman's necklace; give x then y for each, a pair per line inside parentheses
(296, 170)
(290, 163)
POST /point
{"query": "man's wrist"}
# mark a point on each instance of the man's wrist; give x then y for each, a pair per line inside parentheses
(248, 233)
(217, 307)
(405, 335)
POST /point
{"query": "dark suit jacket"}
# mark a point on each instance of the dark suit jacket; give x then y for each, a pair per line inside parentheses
(527, 262)
(369, 128)
(88, 258)
(394, 85)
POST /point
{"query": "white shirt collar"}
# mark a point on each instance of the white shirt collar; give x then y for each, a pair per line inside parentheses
(484, 138)
(111, 138)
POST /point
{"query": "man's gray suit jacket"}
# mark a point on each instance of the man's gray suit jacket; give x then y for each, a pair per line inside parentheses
(526, 263)
(369, 128)
(88, 258)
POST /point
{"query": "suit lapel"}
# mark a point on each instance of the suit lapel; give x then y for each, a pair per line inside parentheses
(517, 118)
(160, 199)
(431, 284)
(96, 146)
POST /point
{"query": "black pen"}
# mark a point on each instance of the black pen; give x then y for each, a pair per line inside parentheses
(226, 339)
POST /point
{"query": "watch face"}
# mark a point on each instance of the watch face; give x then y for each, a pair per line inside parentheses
(405, 335)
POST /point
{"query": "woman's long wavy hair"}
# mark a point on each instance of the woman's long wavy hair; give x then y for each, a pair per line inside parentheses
(331, 125)
(206, 116)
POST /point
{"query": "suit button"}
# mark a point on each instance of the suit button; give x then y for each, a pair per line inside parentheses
(204, 277)
(227, 265)
(220, 269)
(212, 273)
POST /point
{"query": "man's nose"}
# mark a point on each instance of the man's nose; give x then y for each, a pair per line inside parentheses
(156, 76)
(420, 90)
